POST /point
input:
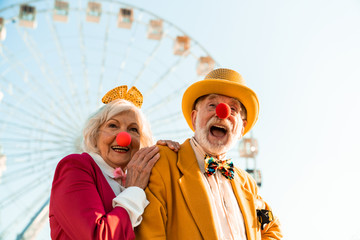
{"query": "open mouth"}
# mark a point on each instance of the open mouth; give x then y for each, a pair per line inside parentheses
(218, 131)
(120, 149)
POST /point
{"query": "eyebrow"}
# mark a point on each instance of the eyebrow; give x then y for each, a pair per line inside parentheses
(118, 121)
(236, 102)
(233, 100)
(211, 97)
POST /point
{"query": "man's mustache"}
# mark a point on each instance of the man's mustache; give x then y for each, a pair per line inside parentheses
(224, 122)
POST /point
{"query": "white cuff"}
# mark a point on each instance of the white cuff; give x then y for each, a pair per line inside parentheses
(133, 199)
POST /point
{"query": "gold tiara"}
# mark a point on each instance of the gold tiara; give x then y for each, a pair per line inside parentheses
(133, 95)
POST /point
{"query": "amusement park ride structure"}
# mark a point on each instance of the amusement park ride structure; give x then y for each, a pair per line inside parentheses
(57, 58)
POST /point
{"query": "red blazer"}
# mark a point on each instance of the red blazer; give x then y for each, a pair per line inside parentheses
(81, 203)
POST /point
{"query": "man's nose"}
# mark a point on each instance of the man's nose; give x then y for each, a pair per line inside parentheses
(223, 110)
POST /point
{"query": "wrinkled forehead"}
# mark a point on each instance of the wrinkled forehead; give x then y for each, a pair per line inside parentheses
(219, 98)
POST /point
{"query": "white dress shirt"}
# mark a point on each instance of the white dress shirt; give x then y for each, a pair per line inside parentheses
(132, 199)
(228, 218)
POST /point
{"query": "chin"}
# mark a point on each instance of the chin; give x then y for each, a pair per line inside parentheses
(220, 146)
(213, 146)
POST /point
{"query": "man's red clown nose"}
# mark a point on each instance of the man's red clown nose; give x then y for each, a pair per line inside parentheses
(123, 139)
(223, 110)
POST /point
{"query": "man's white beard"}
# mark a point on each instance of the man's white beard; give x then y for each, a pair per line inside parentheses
(221, 146)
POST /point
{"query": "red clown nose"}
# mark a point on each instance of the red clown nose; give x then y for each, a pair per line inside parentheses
(223, 110)
(123, 139)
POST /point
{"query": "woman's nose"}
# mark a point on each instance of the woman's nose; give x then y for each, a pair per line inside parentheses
(123, 139)
(223, 110)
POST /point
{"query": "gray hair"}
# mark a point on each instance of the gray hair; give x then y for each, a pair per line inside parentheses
(108, 111)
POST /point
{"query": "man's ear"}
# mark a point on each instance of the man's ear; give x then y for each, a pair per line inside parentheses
(193, 118)
(243, 127)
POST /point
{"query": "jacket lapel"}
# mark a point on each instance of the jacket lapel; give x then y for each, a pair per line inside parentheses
(246, 203)
(194, 192)
(103, 186)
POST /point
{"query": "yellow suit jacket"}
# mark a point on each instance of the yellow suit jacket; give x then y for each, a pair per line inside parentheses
(179, 205)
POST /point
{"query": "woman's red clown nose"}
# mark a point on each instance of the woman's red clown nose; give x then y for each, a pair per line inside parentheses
(123, 139)
(223, 110)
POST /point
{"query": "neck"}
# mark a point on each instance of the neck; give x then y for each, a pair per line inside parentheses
(218, 156)
(207, 151)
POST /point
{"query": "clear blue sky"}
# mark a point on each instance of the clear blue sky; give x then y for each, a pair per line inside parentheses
(302, 58)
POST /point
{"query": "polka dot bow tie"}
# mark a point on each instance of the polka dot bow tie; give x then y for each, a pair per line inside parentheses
(226, 167)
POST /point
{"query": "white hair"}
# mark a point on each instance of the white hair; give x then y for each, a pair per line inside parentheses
(108, 111)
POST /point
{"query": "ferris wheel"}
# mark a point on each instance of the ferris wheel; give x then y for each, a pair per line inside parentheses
(57, 60)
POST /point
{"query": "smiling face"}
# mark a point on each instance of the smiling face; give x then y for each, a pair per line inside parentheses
(113, 154)
(217, 135)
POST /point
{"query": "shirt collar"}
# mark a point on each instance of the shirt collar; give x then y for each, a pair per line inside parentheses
(105, 168)
(199, 153)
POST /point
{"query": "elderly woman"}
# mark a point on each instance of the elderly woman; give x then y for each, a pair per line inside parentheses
(91, 196)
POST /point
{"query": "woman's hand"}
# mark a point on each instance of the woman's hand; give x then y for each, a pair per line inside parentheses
(139, 168)
(175, 146)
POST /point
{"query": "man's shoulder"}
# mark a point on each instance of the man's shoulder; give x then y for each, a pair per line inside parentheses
(165, 151)
(169, 157)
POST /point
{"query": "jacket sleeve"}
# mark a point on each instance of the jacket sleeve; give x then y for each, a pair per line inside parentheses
(271, 230)
(153, 225)
(77, 208)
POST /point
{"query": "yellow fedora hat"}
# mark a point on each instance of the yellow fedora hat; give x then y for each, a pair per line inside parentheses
(225, 82)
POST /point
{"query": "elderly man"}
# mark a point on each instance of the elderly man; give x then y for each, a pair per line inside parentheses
(197, 194)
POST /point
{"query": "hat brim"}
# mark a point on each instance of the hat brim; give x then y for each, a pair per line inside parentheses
(223, 87)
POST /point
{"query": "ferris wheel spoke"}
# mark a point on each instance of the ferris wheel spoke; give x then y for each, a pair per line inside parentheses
(46, 71)
(21, 91)
(104, 54)
(28, 167)
(13, 176)
(170, 118)
(39, 104)
(164, 76)
(24, 190)
(162, 102)
(65, 64)
(21, 216)
(30, 128)
(29, 152)
(36, 222)
(33, 160)
(147, 62)
(83, 62)
(29, 213)
(60, 142)
(177, 135)
(128, 48)
(173, 131)
(35, 115)
(33, 81)
(166, 99)
(43, 165)
(51, 76)
(38, 159)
